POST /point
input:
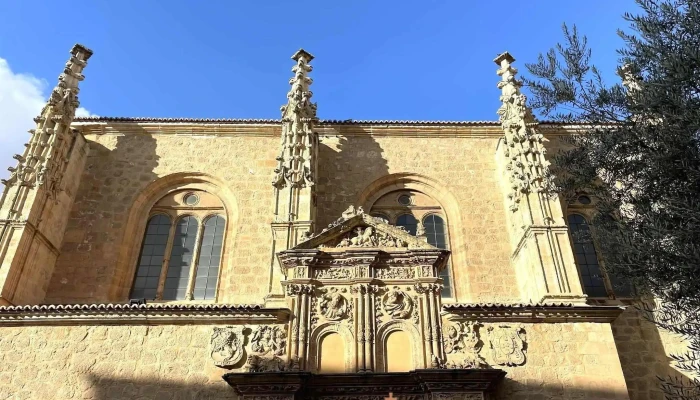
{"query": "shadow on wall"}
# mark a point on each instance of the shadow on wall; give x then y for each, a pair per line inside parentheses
(643, 355)
(348, 162)
(116, 171)
(112, 388)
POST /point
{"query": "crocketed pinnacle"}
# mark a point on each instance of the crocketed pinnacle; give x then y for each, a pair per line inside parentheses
(296, 162)
(45, 157)
(523, 145)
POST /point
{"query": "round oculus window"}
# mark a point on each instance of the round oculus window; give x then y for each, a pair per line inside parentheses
(404, 200)
(190, 199)
(584, 200)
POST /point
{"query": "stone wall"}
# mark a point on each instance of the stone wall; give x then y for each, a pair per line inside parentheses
(100, 362)
(122, 164)
(109, 362)
(125, 160)
(566, 361)
(644, 354)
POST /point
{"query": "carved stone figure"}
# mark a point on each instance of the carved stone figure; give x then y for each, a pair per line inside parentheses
(227, 345)
(334, 273)
(333, 305)
(462, 340)
(369, 237)
(362, 238)
(351, 212)
(294, 364)
(420, 229)
(395, 273)
(398, 304)
(256, 363)
(269, 340)
(507, 344)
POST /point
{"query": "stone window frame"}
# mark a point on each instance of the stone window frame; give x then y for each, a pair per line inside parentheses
(201, 215)
(420, 213)
(587, 212)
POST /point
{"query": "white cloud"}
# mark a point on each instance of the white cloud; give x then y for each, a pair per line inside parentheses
(21, 98)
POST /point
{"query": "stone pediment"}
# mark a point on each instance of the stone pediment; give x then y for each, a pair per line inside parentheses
(360, 230)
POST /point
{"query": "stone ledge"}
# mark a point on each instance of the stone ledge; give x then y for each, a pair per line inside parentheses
(533, 313)
(139, 314)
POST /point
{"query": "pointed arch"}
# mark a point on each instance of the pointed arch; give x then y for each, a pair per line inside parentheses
(138, 215)
(445, 199)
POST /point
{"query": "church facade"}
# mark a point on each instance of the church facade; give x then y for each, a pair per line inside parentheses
(303, 258)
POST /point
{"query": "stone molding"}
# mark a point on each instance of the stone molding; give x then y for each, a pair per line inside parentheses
(128, 314)
(85, 120)
(532, 313)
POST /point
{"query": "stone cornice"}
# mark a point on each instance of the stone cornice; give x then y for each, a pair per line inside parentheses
(149, 314)
(532, 313)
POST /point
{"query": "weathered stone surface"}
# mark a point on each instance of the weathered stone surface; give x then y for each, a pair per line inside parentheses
(349, 289)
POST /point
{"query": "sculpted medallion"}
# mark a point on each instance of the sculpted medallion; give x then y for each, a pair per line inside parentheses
(227, 345)
(334, 306)
(397, 304)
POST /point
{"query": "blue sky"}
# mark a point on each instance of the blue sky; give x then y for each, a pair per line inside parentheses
(417, 60)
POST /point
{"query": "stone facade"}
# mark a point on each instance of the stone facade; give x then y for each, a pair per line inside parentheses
(334, 290)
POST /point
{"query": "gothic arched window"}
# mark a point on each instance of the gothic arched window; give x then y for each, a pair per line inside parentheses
(435, 232)
(405, 208)
(409, 222)
(174, 244)
(586, 257)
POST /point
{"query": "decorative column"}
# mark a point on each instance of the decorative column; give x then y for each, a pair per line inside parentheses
(365, 325)
(294, 177)
(300, 321)
(432, 323)
(542, 252)
(39, 193)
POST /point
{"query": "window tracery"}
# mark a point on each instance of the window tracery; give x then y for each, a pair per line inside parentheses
(182, 247)
(418, 214)
(594, 279)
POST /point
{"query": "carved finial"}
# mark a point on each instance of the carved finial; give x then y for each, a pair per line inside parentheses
(630, 80)
(523, 145)
(296, 162)
(504, 59)
(301, 53)
(78, 49)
